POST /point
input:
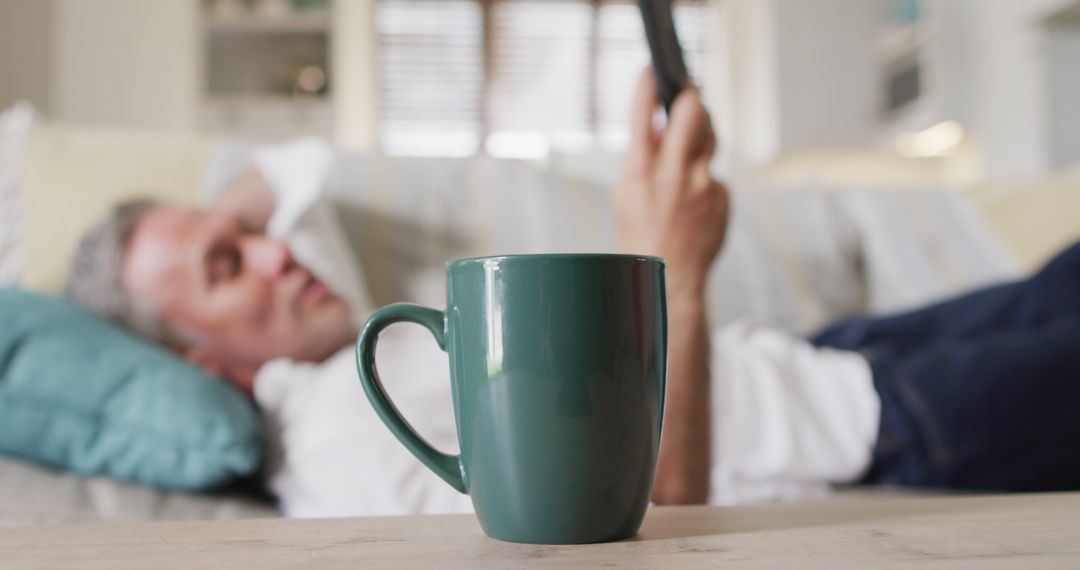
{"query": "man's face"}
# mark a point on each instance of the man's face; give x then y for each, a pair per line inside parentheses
(240, 296)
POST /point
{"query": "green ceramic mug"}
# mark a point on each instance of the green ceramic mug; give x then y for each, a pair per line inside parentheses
(558, 367)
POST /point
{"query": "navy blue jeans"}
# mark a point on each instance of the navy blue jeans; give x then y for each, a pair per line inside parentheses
(981, 391)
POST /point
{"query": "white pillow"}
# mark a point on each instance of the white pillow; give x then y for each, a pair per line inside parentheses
(16, 125)
(920, 245)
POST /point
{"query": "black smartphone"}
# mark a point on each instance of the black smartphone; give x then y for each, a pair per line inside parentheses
(667, 55)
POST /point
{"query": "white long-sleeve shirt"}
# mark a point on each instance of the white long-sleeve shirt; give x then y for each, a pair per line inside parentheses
(787, 419)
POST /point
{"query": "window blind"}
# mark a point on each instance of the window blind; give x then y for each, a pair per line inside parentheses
(430, 69)
(539, 81)
(516, 78)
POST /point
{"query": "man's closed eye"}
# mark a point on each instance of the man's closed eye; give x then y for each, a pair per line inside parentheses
(224, 264)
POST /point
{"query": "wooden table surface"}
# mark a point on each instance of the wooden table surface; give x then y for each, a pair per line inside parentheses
(1007, 531)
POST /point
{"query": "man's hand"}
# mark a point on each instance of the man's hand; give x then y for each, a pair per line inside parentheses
(666, 203)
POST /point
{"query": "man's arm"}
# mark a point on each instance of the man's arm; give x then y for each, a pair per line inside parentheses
(250, 199)
(668, 205)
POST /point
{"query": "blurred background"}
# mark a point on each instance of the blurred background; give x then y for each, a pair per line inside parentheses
(941, 90)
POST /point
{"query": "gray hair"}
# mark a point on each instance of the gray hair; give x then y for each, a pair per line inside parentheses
(93, 281)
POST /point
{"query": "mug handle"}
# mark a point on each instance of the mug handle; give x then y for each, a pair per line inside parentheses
(446, 466)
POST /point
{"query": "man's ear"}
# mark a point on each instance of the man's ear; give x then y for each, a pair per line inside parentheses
(203, 359)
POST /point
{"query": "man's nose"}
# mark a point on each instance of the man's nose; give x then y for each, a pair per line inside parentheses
(266, 257)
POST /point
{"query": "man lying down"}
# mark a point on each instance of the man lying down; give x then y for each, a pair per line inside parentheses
(977, 392)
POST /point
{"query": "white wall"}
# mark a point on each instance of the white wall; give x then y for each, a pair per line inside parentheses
(1063, 82)
(803, 75)
(25, 52)
(1010, 108)
(126, 63)
(827, 62)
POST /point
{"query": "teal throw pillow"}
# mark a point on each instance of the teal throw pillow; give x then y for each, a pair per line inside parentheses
(80, 394)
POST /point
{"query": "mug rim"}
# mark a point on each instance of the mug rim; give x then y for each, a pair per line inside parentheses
(555, 256)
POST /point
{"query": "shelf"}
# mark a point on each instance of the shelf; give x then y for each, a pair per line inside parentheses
(264, 99)
(313, 23)
(267, 116)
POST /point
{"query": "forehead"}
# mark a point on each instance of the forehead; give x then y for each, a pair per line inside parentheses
(165, 248)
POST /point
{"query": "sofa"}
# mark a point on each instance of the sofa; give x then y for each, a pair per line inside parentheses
(796, 256)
